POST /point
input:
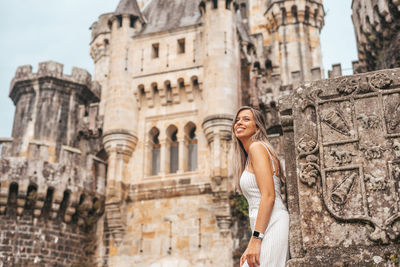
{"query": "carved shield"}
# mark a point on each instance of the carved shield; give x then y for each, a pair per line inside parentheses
(354, 149)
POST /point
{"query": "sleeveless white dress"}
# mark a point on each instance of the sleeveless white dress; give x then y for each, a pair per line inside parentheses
(274, 246)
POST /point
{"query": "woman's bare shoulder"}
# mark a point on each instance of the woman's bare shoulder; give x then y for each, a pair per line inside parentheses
(257, 148)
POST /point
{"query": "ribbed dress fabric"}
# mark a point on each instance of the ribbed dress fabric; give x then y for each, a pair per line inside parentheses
(274, 246)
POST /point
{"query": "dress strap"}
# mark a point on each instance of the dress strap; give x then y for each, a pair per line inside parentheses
(272, 160)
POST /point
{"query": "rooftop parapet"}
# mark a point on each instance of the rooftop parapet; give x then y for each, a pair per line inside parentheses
(52, 69)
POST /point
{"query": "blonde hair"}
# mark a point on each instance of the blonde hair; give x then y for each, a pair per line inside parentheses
(240, 155)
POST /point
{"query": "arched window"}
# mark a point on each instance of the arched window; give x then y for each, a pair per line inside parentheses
(155, 151)
(172, 132)
(168, 91)
(190, 130)
(215, 4)
(243, 10)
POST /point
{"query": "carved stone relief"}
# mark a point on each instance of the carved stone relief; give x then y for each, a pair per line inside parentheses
(344, 152)
(368, 121)
(336, 120)
(380, 81)
(341, 157)
(348, 85)
(372, 151)
(309, 171)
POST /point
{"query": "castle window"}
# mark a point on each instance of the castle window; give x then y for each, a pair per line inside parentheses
(215, 4)
(119, 21)
(228, 4)
(243, 10)
(202, 8)
(191, 138)
(168, 92)
(155, 50)
(181, 46)
(155, 151)
(132, 21)
(172, 132)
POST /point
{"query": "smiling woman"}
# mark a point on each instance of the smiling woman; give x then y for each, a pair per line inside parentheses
(259, 176)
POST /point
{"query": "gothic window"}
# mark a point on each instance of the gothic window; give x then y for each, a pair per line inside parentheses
(172, 132)
(181, 46)
(190, 130)
(155, 151)
(155, 50)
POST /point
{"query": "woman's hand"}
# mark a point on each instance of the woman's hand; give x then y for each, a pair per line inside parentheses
(252, 253)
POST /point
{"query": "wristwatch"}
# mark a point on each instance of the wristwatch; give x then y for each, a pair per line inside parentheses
(258, 235)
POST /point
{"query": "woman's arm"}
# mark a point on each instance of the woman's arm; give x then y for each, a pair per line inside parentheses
(260, 165)
(262, 168)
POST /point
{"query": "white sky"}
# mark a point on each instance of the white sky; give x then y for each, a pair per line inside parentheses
(39, 30)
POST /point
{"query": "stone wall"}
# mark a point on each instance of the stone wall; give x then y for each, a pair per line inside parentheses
(25, 241)
(343, 182)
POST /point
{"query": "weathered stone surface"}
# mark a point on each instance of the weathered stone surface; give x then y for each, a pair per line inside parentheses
(343, 180)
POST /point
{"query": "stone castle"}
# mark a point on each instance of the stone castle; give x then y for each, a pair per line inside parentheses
(132, 167)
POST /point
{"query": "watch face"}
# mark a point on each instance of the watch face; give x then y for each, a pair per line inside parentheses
(256, 234)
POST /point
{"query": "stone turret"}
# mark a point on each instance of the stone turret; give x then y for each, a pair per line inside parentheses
(221, 98)
(120, 112)
(221, 61)
(52, 175)
(295, 50)
(376, 25)
(100, 52)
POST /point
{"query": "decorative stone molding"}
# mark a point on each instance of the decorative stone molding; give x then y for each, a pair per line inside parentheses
(119, 141)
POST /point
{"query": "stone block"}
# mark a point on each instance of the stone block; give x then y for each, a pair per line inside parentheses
(343, 179)
(81, 75)
(50, 68)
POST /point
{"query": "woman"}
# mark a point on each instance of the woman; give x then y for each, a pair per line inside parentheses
(258, 171)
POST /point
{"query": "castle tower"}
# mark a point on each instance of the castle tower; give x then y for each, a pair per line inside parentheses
(294, 39)
(100, 53)
(221, 78)
(221, 63)
(120, 107)
(52, 180)
(376, 25)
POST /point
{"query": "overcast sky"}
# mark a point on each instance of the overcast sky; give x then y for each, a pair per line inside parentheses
(39, 30)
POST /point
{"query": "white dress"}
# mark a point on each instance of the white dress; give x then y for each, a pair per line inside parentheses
(274, 246)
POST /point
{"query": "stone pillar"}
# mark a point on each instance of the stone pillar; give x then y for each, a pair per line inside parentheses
(182, 155)
(164, 157)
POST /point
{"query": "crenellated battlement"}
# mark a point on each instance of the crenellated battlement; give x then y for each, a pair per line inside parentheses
(51, 69)
(291, 12)
(51, 191)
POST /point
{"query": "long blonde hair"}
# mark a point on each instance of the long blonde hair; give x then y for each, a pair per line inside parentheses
(240, 155)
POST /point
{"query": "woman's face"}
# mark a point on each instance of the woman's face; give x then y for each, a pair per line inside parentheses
(245, 125)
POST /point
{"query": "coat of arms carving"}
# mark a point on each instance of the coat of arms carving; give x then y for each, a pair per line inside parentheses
(349, 152)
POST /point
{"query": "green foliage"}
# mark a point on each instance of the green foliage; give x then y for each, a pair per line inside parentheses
(240, 206)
